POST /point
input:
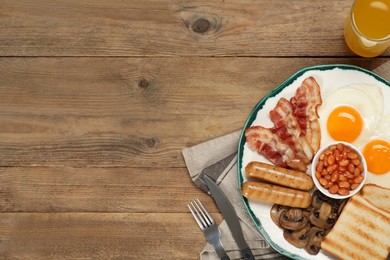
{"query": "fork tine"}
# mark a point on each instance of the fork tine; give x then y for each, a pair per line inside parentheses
(204, 217)
(201, 215)
(195, 215)
(210, 218)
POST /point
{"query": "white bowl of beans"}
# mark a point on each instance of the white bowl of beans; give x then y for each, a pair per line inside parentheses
(339, 170)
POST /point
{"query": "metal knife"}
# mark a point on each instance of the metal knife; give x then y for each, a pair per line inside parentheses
(230, 216)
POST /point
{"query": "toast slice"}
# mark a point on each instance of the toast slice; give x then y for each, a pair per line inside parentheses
(377, 195)
(361, 232)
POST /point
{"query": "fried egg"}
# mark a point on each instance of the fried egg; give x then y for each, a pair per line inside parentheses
(376, 151)
(354, 114)
(351, 114)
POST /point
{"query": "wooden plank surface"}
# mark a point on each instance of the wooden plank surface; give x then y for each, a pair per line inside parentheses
(99, 236)
(130, 190)
(173, 28)
(98, 98)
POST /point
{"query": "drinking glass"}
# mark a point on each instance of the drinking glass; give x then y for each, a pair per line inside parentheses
(367, 27)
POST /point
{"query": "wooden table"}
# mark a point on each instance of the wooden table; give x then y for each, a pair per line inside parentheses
(98, 98)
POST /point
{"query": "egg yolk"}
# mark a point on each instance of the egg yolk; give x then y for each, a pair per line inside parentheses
(344, 124)
(377, 155)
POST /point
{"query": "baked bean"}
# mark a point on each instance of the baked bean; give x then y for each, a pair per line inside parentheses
(344, 184)
(334, 189)
(336, 154)
(359, 179)
(339, 169)
(356, 162)
(323, 182)
(335, 176)
(351, 167)
(342, 169)
(344, 162)
(354, 186)
(352, 155)
(343, 191)
(357, 172)
(318, 175)
(331, 168)
(331, 159)
(342, 177)
(326, 162)
(320, 166)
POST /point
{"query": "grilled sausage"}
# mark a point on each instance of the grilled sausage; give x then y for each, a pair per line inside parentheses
(278, 175)
(265, 192)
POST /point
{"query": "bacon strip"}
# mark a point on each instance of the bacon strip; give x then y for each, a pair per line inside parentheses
(267, 143)
(287, 128)
(296, 134)
(305, 103)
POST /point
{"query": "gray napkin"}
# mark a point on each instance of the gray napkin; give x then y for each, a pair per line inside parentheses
(218, 158)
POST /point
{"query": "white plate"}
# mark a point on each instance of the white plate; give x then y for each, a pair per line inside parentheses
(329, 77)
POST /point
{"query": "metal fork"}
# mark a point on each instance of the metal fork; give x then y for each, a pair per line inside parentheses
(208, 226)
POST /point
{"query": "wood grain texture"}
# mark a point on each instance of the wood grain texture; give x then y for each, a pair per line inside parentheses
(100, 236)
(98, 98)
(173, 28)
(126, 190)
(140, 112)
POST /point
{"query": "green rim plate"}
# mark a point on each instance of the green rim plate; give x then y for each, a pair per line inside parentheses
(252, 117)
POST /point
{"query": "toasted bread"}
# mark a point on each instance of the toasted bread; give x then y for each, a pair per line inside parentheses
(377, 195)
(361, 232)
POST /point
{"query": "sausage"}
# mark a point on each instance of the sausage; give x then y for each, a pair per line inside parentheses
(278, 175)
(265, 192)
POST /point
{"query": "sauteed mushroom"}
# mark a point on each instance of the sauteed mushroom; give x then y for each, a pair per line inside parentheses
(293, 219)
(276, 211)
(324, 217)
(298, 238)
(318, 198)
(315, 238)
(305, 228)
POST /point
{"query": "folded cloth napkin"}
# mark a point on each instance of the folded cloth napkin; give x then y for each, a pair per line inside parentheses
(218, 158)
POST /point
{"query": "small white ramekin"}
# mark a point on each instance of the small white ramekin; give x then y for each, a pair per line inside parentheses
(325, 191)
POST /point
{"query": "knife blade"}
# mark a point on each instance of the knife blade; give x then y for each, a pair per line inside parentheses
(230, 216)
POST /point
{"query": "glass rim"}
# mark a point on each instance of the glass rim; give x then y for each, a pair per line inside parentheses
(354, 26)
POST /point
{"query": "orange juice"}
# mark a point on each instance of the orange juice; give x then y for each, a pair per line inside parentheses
(367, 29)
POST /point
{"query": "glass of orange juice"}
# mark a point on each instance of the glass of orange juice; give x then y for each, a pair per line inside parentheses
(367, 28)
